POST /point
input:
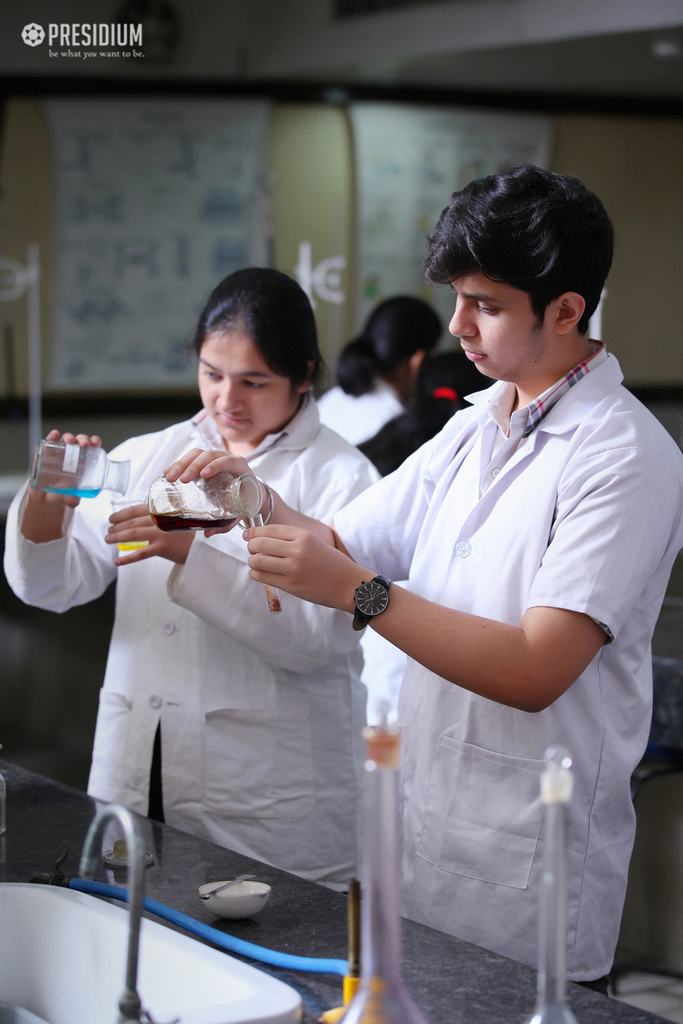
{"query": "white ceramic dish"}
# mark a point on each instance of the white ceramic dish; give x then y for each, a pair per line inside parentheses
(241, 900)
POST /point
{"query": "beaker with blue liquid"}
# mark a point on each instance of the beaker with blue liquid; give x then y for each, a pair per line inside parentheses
(61, 468)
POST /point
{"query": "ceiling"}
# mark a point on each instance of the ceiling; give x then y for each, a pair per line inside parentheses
(589, 48)
(619, 65)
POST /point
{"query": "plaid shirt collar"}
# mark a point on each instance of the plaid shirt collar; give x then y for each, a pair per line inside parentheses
(501, 399)
(541, 406)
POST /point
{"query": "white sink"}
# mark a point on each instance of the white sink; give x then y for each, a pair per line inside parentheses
(62, 957)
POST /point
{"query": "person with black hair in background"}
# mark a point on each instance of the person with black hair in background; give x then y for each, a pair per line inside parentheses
(377, 371)
(224, 720)
(537, 530)
(440, 389)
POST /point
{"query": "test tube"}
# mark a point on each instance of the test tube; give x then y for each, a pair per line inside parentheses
(272, 593)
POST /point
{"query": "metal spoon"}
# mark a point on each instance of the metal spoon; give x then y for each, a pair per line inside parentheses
(227, 885)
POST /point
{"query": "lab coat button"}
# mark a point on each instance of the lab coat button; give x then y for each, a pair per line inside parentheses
(463, 548)
(495, 472)
(155, 701)
(169, 629)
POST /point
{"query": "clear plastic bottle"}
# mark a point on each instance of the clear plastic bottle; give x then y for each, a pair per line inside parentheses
(381, 997)
(556, 792)
(69, 469)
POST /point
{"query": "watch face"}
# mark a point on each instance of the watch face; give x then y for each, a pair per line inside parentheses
(371, 598)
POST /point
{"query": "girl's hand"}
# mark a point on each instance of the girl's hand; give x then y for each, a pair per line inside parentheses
(206, 464)
(135, 525)
(37, 498)
(301, 563)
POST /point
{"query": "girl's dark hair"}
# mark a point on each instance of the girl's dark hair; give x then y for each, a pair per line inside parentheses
(394, 331)
(274, 311)
(541, 232)
(441, 385)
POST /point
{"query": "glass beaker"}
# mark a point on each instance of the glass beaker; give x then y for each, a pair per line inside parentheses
(204, 504)
(62, 468)
(117, 505)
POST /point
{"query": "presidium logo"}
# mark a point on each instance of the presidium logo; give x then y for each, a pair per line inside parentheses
(33, 34)
(72, 39)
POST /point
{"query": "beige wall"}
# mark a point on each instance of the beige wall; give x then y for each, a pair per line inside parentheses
(311, 162)
(311, 184)
(25, 217)
(635, 165)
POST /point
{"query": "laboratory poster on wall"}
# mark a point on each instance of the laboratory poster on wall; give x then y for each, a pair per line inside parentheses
(156, 201)
(409, 161)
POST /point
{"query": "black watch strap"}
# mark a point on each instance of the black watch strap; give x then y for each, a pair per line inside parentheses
(372, 598)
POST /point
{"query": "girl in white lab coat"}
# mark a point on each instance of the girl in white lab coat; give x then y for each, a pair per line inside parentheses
(377, 371)
(256, 716)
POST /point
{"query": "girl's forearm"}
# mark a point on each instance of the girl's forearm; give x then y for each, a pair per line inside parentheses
(41, 522)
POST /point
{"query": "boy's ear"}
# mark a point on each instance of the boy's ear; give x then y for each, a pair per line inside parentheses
(566, 311)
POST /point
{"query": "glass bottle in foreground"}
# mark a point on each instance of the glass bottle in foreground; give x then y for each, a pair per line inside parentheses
(62, 468)
(381, 997)
(556, 793)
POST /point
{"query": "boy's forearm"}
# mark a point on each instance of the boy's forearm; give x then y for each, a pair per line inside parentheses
(526, 667)
(283, 515)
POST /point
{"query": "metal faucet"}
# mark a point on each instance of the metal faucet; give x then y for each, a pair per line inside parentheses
(130, 1007)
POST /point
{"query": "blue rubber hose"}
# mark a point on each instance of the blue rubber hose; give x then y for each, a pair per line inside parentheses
(288, 961)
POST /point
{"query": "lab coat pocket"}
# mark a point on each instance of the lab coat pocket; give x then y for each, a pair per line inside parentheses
(483, 814)
(259, 763)
(109, 750)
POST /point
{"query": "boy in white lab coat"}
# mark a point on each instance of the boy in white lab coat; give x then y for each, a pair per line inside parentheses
(537, 532)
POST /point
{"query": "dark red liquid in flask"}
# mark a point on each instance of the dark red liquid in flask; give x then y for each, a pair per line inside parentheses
(178, 521)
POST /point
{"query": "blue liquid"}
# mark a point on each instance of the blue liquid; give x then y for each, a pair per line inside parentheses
(73, 491)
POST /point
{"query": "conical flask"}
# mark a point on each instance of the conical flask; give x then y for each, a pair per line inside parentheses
(556, 792)
(202, 504)
(382, 997)
(221, 501)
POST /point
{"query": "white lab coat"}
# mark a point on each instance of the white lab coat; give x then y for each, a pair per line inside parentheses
(359, 419)
(383, 668)
(261, 714)
(587, 516)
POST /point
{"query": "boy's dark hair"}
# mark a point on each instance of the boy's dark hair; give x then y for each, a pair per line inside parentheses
(541, 232)
(275, 311)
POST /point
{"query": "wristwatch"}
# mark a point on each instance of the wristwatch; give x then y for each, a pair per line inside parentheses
(372, 598)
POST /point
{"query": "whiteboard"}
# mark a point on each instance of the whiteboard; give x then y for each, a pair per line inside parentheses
(409, 161)
(156, 201)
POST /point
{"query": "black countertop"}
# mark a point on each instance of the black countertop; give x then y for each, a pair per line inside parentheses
(451, 981)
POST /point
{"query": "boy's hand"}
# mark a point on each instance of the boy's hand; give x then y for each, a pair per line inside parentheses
(299, 562)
